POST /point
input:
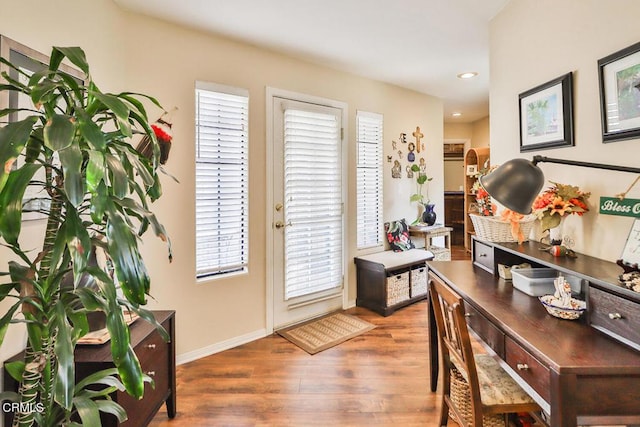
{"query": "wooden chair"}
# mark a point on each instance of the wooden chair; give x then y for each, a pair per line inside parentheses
(477, 391)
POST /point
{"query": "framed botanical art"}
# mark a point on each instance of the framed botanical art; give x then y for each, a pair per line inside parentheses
(546, 115)
(620, 94)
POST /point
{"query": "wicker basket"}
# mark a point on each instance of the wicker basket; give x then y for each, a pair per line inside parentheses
(461, 398)
(494, 229)
(397, 288)
(418, 281)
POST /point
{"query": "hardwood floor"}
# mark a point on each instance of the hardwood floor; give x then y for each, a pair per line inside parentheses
(377, 379)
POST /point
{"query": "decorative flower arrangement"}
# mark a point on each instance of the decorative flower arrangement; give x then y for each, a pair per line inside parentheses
(483, 200)
(558, 201)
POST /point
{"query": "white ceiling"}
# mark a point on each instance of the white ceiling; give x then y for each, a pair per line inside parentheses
(417, 44)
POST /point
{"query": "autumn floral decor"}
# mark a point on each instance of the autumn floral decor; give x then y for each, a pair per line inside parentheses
(483, 200)
(558, 201)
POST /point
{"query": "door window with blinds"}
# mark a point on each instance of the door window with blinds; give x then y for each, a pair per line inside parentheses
(313, 201)
(222, 179)
(369, 179)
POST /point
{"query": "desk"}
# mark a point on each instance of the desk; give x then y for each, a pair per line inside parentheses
(430, 232)
(576, 373)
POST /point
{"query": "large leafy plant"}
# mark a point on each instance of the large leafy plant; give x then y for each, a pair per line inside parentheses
(74, 147)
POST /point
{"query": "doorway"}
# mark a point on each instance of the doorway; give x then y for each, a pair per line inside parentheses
(454, 174)
(307, 225)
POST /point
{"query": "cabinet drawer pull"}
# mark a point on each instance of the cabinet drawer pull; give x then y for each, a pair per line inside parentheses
(522, 366)
(614, 316)
(151, 346)
(482, 255)
(151, 373)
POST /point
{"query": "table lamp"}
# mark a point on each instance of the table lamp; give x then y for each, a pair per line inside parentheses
(517, 182)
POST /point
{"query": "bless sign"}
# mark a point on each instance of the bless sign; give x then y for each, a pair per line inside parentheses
(624, 207)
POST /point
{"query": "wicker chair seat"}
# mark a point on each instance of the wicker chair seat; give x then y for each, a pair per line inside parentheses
(497, 387)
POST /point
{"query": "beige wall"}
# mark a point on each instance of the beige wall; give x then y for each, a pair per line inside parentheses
(480, 133)
(534, 41)
(130, 52)
(458, 130)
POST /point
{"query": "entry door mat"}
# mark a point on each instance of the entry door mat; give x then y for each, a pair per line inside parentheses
(325, 332)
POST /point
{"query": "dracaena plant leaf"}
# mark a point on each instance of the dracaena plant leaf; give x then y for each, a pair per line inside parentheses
(130, 269)
(63, 348)
(123, 356)
(91, 132)
(78, 242)
(75, 55)
(119, 109)
(119, 177)
(74, 181)
(11, 202)
(59, 131)
(96, 170)
(13, 138)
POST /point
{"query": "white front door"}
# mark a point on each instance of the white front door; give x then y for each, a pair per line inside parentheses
(308, 211)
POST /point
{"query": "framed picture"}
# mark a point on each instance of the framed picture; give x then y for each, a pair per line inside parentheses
(28, 61)
(472, 170)
(631, 251)
(620, 94)
(546, 115)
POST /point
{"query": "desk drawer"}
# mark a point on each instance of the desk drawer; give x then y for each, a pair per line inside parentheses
(483, 255)
(528, 367)
(491, 335)
(614, 315)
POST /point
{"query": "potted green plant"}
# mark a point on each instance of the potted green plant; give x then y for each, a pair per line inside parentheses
(74, 145)
(428, 216)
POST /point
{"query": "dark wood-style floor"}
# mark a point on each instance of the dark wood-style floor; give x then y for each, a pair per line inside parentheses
(377, 379)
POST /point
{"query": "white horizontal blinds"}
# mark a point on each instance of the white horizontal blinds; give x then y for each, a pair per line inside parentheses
(222, 181)
(313, 202)
(369, 179)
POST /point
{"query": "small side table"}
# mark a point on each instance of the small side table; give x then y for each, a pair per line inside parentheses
(429, 232)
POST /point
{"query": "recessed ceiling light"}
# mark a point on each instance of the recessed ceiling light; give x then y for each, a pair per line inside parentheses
(456, 114)
(467, 75)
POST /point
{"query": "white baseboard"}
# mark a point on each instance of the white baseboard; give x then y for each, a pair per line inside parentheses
(218, 347)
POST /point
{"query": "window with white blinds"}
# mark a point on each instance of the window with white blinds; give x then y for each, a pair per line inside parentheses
(369, 179)
(222, 179)
(313, 208)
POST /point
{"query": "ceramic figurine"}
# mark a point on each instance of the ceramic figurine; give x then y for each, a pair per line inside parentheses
(396, 170)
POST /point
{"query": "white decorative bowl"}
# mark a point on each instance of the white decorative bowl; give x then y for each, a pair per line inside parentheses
(552, 304)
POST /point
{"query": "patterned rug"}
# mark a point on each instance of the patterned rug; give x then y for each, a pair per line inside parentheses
(325, 332)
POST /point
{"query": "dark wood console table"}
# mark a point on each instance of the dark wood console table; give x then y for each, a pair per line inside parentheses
(157, 358)
(576, 373)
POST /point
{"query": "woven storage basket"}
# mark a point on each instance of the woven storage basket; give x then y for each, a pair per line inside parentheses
(494, 229)
(418, 281)
(397, 288)
(461, 397)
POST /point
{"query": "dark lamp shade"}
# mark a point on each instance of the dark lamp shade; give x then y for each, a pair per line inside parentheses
(515, 184)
